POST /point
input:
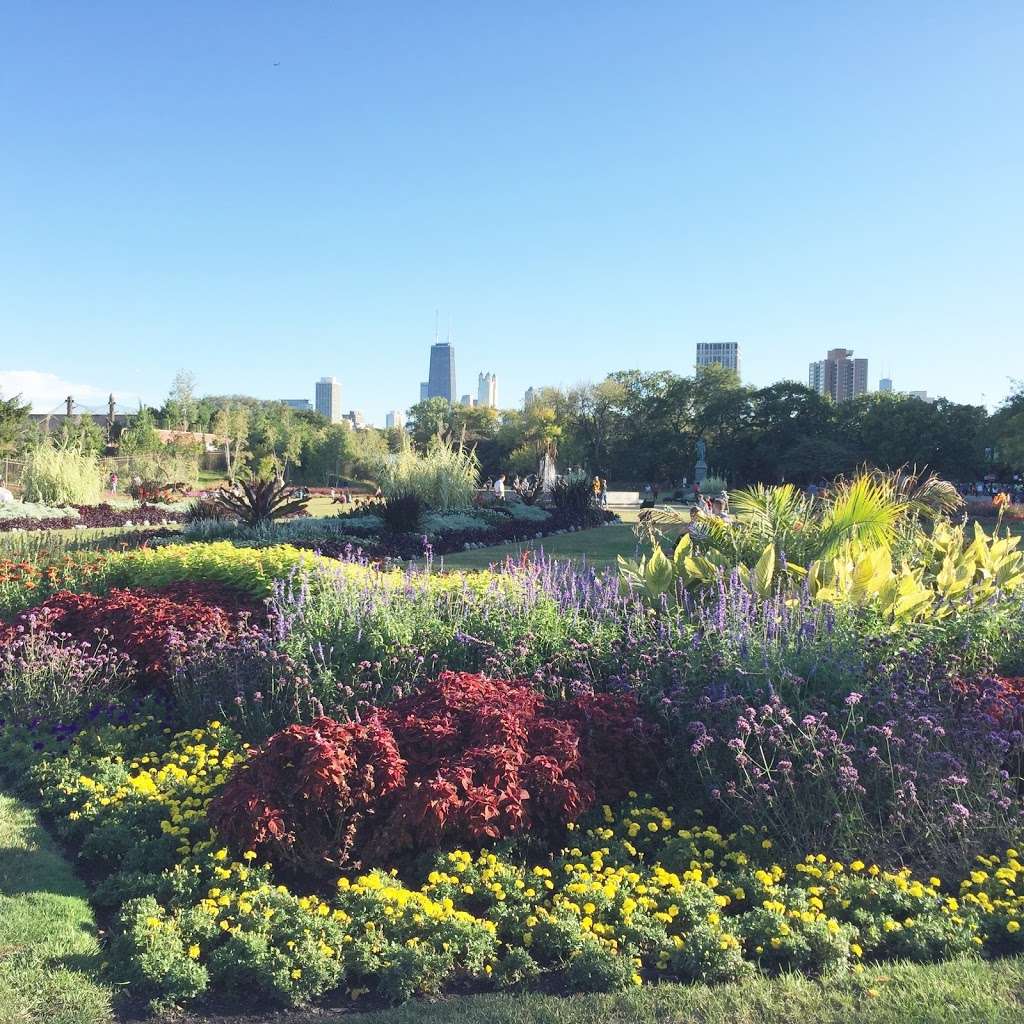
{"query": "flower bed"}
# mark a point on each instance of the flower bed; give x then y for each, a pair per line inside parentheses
(103, 516)
(288, 776)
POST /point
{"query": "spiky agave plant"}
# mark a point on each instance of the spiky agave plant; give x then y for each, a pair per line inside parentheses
(260, 501)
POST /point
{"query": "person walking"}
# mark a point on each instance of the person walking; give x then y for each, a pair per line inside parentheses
(499, 487)
(596, 488)
(604, 493)
(113, 482)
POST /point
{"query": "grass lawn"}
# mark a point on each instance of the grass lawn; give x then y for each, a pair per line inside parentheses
(959, 992)
(598, 547)
(49, 954)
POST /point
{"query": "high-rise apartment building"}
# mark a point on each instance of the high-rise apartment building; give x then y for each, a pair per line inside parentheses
(441, 380)
(885, 385)
(395, 420)
(328, 398)
(531, 396)
(356, 419)
(839, 376)
(722, 353)
(487, 390)
(467, 400)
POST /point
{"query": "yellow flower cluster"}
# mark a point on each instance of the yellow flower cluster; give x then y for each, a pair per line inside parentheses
(996, 890)
(183, 778)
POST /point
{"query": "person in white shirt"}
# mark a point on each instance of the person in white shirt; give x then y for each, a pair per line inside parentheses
(499, 487)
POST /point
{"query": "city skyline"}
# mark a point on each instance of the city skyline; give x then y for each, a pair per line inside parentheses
(258, 206)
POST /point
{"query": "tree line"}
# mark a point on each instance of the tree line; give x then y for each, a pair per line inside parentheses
(636, 426)
(633, 426)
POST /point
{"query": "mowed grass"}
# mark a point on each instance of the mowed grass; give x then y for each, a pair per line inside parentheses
(49, 953)
(958, 992)
(599, 547)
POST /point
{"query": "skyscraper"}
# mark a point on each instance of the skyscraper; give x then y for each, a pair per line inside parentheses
(885, 384)
(838, 375)
(424, 390)
(302, 404)
(441, 381)
(487, 390)
(722, 353)
(395, 419)
(530, 397)
(328, 398)
(467, 400)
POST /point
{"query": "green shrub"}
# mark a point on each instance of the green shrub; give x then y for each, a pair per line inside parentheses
(445, 478)
(61, 476)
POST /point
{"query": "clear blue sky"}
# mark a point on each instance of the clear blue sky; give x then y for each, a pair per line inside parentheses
(265, 193)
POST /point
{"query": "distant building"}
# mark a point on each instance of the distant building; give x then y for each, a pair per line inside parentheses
(839, 376)
(922, 395)
(487, 390)
(468, 400)
(395, 420)
(441, 380)
(356, 419)
(328, 398)
(531, 396)
(720, 353)
(885, 385)
(424, 390)
(302, 404)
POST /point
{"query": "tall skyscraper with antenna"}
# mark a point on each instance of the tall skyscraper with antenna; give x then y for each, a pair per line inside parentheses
(441, 378)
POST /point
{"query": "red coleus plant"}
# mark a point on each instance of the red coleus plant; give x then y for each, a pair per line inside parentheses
(144, 624)
(468, 760)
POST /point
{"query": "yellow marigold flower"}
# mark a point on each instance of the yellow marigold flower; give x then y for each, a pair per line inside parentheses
(193, 952)
(296, 972)
(857, 865)
(766, 844)
(1013, 926)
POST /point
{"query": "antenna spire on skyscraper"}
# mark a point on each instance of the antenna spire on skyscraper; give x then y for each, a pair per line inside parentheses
(437, 317)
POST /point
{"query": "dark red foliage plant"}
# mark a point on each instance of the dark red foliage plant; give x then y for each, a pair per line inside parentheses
(144, 624)
(466, 761)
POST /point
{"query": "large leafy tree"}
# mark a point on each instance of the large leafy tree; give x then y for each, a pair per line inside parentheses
(14, 423)
(1006, 432)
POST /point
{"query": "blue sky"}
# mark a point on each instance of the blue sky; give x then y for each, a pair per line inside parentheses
(265, 193)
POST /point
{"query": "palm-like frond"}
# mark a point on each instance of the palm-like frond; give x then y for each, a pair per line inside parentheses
(770, 511)
(928, 496)
(864, 510)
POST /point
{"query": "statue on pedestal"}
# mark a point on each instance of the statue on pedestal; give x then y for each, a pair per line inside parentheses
(700, 471)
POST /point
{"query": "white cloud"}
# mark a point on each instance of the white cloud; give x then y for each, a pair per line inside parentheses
(47, 391)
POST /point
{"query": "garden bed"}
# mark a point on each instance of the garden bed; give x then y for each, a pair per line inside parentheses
(295, 779)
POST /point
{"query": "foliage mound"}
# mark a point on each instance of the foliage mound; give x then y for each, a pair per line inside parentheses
(466, 761)
(260, 501)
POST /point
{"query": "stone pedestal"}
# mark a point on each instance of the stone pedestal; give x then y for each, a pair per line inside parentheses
(700, 472)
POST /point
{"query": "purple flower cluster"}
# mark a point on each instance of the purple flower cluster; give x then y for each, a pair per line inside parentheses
(904, 770)
(45, 675)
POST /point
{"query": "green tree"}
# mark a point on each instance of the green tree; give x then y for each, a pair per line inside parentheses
(427, 419)
(140, 435)
(14, 423)
(180, 408)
